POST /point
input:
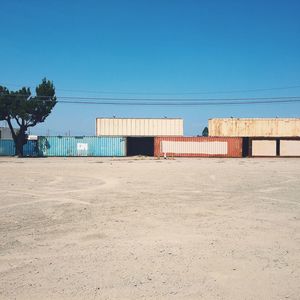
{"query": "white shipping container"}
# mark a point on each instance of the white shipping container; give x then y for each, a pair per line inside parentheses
(263, 148)
(289, 148)
(205, 147)
(139, 127)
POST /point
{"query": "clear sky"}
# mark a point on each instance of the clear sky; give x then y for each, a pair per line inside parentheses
(157, 46)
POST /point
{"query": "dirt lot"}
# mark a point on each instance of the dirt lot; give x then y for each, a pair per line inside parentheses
(95, 228)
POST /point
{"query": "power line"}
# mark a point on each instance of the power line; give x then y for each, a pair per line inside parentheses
(162, 101)
(153, 99)
(170, 93)
(181, 93)
(175, 99)
(180, 103)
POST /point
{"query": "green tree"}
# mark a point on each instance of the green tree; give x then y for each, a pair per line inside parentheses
(205, 131)
(20, 109)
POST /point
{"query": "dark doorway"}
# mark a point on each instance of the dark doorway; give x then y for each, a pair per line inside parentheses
(140, 146)
(278, 147)
(246, 147)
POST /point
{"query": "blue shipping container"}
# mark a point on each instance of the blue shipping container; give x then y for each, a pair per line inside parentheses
(30, 149)
(81, 146)
(7, 148)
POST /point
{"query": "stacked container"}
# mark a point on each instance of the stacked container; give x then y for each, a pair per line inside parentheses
(262, 137)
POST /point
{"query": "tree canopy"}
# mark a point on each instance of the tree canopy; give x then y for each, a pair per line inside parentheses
(22, 110)
(205, 131)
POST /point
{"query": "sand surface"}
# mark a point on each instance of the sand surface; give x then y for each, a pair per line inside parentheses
(102, 228)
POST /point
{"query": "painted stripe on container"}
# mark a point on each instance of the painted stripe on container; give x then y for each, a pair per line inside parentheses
(263, 148)
(289, 148)
(198, 146)
(194, 147)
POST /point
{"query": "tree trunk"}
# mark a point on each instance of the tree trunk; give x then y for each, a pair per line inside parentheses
(19, 147)
(20, 142)
(18, 137)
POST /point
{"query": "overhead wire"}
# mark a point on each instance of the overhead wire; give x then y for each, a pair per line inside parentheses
(159, 101)
(180, 103)
(167, 93)
(181, 93)
(150, 99)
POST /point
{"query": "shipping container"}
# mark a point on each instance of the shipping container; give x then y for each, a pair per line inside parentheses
(139, 127)
(81, 146)
(289, 147)
(265, 127)
(7, 148)
(30, 148)
(264, 147)
(274, 147)
(198, 146)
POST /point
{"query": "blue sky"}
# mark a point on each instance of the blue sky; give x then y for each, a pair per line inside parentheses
(156, 46)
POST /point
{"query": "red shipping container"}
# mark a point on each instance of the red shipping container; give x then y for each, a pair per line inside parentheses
(198, 146)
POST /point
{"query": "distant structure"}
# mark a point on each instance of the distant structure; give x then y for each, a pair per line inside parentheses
(260, 127)
(5, 133)
(139, 127)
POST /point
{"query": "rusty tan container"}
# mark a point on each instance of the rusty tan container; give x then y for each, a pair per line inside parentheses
(198, 146)
(289, 147)
(139, 127)
(265, 127)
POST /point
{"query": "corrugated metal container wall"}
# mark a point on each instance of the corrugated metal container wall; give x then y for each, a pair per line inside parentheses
(236, 127)
(7, 148)
(81, 146)
(139, 127)
(289, 147)
(30, 148)
(198, 146)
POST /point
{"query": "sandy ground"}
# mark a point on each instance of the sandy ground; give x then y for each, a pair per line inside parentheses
(95, 228)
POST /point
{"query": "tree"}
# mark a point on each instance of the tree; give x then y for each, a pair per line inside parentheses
(205, 131)
(24, 110)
